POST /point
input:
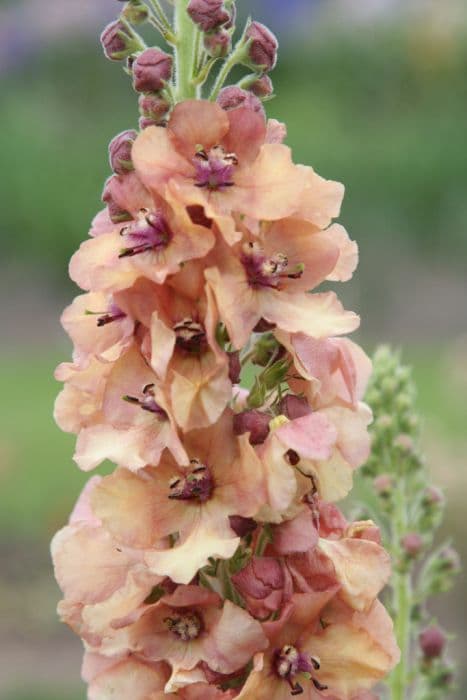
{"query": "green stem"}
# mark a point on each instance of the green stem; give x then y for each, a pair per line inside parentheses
(402, 597)
(186, 32)
(239, 55)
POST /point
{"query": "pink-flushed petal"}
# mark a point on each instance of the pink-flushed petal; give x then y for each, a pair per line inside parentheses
(99, 254)
(102, 223)
(271, 187)
(79, 404)
(233, 640)
(303, 246)
(238, 305)
(362, 568)
(320, 200)
(276, 132)
(348, 254)
(80, 320)
(279, 478)
(163, 341)
(319, 315)
(130, 678)
(202, 691)
(246, 135)
(312, 436)
(94, 664)
(197, 123)
(89, 565)
(129, 193)
(207, 538)
(353, 439)
(156, 160)
(296, 535)
(82, 511)
(264, 684)
(356, 653)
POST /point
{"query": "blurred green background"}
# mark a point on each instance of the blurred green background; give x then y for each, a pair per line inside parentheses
(374, 94)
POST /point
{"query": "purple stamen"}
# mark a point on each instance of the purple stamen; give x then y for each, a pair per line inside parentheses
(290, 662)
(190, 335)
(197, 486)
(214, 170)
(114, 313)
(148, 402)
(149, 232)
(263, 271)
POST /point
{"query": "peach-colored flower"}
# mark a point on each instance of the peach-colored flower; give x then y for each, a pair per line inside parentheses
(321, 644)
(219, 160)
(266, 277)
(137, 424)
(79, 404)
(224, 478)
(159, 239)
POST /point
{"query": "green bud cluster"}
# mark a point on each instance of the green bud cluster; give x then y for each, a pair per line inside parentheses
(412, 511)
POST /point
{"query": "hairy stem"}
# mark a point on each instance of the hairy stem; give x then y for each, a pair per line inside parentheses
(186, 32)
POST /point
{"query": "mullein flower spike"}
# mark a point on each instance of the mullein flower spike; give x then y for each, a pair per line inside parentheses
(212, 563)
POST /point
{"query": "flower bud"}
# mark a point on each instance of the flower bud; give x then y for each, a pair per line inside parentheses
(218, 44)
(151, 70)
(432, 496)
(412, 543)
(153, 107)
(208, 14)
(135, 12)
(254, 422)
(232, 97)
(235, 366)
(383, 485)
(432, 642)
(264, 584)
(294, 407)
(262, 87)
(263, 46)
(449, 560)
(116, 213)
(242, 526)
(120, 151)
(144, 122)
(117, 41)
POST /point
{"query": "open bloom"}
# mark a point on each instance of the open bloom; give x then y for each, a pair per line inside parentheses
(191, 503)
(219, 160)
(136, 425)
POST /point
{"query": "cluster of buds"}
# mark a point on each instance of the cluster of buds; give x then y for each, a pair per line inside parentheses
(213, 563)
(413, 511)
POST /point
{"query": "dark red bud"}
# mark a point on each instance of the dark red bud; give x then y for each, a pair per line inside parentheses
(117, 42)
(263, 46)
(208, 14)
(235, 366)
(151, 70)
(218, 44)
(232, 97)
(153, 107)
(242, 526)
(294, 407)
(254, 422)
(262, 87)
(116, 213)
(432, 642)
(120, 151)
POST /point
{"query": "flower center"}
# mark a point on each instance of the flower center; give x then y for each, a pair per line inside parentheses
(290, 662)
(215, 169)
(264, 271)
(150, 231)
(148, 402)
(186, 626)
(196, 486)
(191, 335)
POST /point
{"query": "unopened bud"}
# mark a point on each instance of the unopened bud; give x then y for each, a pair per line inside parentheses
(262, 87)
(235, 366)
(432, 642)
(117, 41)
(412, 543)
(383, 485)
(151, 70)
(153, 107)
(294, 407)
(232, 97)
(264, 350)
(242, 526)
(449, 560)
(120, 151)
(254, 422)
(263, 46)
(404, 443)
(116, 213)
(135, 12)
(208, 14)
(432, 496)
(144, 122)
(218, 44)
